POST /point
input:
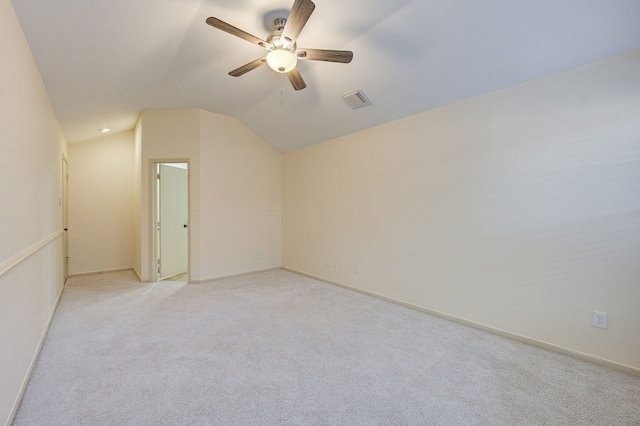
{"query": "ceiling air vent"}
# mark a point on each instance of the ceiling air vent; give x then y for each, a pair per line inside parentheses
(356, 99)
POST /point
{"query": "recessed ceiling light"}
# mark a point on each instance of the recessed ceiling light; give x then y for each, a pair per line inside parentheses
(104, 129)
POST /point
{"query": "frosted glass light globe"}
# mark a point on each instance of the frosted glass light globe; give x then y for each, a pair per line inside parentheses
(281, 61)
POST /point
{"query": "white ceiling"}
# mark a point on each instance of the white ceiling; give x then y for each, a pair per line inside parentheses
(103, 62)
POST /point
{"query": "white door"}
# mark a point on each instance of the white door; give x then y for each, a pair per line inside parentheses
(173, 220)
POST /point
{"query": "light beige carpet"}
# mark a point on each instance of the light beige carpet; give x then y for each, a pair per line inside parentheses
(276, 348)
(180, 277)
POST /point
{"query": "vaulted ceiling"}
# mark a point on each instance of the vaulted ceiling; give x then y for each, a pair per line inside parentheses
(103, 62)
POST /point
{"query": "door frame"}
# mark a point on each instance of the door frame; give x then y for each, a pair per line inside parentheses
(64, 203)
(153, 215)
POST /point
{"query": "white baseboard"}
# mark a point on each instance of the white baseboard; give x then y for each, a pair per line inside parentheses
(34, 359)
(493, 330)
(135, 271)
(224, 277)
(106, 271)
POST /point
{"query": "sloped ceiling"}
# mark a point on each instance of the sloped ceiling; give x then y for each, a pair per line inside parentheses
(103, 62)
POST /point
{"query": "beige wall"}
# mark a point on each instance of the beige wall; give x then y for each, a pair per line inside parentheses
(234, 191)
(170, 135)
(518, 209)
(101, 203)
(30, 215)
(240, 208)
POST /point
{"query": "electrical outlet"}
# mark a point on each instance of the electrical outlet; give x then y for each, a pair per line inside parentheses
(328, 264)
(226, 259)
(600, 319)
(357, 268)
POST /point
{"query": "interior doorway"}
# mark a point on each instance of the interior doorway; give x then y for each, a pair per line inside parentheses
(171, 211)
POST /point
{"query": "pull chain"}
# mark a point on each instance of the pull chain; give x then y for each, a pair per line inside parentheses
(281, 80)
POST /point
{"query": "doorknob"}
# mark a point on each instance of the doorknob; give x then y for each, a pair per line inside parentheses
(185, 225)
(66, 229)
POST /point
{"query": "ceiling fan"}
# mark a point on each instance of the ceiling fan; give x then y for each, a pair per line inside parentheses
(283, 53)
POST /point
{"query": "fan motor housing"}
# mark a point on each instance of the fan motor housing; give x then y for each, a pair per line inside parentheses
(274, 39)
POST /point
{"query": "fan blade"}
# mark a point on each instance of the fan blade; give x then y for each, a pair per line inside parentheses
(296, 79)
(298, 17)
(221, 25)
(342, 56)
(248, 67)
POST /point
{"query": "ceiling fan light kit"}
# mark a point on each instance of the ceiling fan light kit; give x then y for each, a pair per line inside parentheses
(281, 57)
(283, 52)
(281, 61)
